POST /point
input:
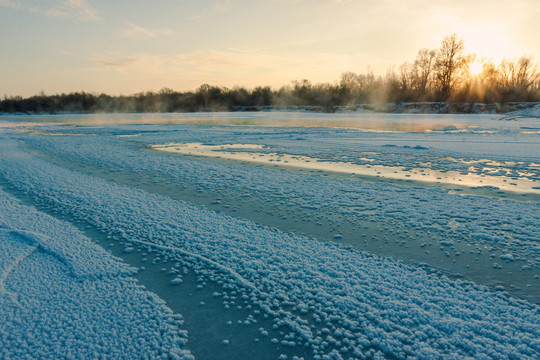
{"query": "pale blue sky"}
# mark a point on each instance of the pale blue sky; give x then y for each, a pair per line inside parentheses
(123, 47)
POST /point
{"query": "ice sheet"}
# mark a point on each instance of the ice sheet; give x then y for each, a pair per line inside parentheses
(338, 301)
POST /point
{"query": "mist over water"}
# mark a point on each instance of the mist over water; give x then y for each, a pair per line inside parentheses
(359, 121)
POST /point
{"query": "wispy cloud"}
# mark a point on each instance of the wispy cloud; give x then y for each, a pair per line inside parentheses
(67, 53)
(114, 61)
(251, 59)
(73, 9)
(227, 67)
(213, 59)
(222, 5)
(69, 9)
(10, 4)
(133, 31)
(124, 62)
(205, 61)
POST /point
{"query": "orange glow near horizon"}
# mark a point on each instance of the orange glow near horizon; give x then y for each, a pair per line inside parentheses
(241, 42)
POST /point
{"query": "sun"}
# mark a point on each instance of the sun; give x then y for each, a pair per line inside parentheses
(490, 41)
(476, 68)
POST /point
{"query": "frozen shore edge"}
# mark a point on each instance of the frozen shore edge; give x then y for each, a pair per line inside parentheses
(531, 109)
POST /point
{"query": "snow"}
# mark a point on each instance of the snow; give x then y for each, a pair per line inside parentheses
(456, 218)
(529, 112)
(304, 297)
(378, 304)
(61, 296)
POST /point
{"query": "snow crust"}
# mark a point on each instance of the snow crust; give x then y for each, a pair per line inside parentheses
(508, 225)
(61, 296)
(338, 302)
(83, 258)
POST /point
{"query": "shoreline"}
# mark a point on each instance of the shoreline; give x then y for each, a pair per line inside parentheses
(527, 109)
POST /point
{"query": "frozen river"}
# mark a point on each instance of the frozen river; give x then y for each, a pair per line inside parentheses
(285, 234)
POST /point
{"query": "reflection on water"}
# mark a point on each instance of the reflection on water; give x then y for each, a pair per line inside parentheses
(288, 161)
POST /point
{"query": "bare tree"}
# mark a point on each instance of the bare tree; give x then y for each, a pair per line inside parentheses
(415, 79)
(357, 86)
(407, 78)
(450, 62)
(424, 64)
(519, 75)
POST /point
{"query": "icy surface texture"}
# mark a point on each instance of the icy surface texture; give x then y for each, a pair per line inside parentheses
(83, 258)
(63, 297)
(508, 225)
(338, 302)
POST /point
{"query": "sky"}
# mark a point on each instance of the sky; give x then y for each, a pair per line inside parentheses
(125, 47)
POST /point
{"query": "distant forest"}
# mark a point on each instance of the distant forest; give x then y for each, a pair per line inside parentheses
(439, 75)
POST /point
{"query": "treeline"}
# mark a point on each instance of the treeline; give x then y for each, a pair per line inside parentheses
(445, 74)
